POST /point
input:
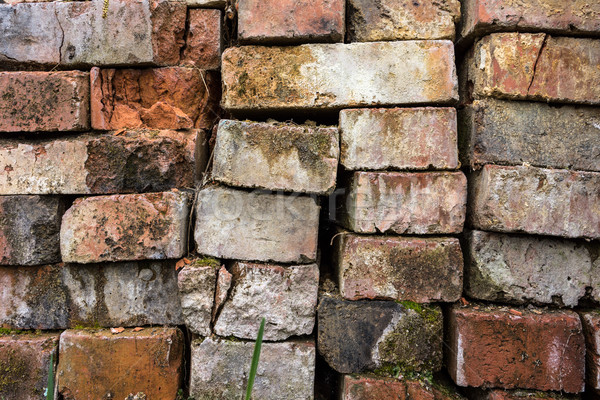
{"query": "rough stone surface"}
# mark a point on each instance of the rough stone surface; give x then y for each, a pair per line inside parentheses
(76, 34)
(219, 369)
(24, 364)
(125, 227)
(197, 285)
(354, 336)
(224, 282)
(490, 346)
(285, 295)
(422, 270)
(60, 103)
(203, 39)
(522, 269)
(206, 3)
(133, 161)
(62, 296)
(398, 138)
(29, 229)
(157, 98)
(406, 203)
(591, 327)
(513, 133)
(517, 394)
(526, 66)
(555, 16)
(257, 226)
(370, 21)
(148, 361)
(283, 156)
(536, 200)
(291, 21)
(332, 76)
(356, 387)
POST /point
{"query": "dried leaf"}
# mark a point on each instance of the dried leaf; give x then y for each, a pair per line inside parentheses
(116, 331)
(180, 264)
(515, 312)
(120, 132)
(138, 328)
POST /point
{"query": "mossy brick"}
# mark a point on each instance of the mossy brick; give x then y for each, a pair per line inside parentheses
(149, 361)
(422, 270)
(405, 202)
(132, 161)
(370, 21)
(536, 201)
(416, 138)
(25, 363)
(219, 370)
(289, 157)
(525, 66)
(518, 394)
(356, 336)
(515, 132)
(522, 269)
(494, 346)
(126, 227)
(290, 21)
(335, 76)
(36, 101)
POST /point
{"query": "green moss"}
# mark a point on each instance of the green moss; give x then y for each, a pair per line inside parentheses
(12, 371)
(429, 314)
(8, 331)
(206, 262)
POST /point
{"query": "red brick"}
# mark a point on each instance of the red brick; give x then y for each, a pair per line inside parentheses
(517, 394)
(422, 270)
(492, 346)
(44, 101)
(563, 17)
(536, 200)
(133, 161)
(406, 203)
(24, 364)
(356, 387)
(125, 227)
(97, 364)
(290, 21)
(526, 66)
(398, 138)
(591, 327)
(203, 40)
(159, 98)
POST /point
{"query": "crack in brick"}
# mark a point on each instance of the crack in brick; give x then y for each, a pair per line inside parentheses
(537, 59)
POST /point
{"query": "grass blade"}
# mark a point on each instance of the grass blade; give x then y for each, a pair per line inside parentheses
(255, 357)
(50, 388)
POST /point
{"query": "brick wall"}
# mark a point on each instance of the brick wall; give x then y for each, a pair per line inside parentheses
(407, 191)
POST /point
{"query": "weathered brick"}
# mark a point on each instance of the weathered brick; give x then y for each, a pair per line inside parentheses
(566, 18)
(283, 156)
(256, 226)
(96, 364)
(113, 294)
(491, 346)
(125, 227)
(370, 21)
(291, 21)
(60, 103)
(357, 387)
(203, 40)
(517, 394)
(220, 370)
(536, 200)
(285, 295)
(133, 161)
(197, 285)
(406, 203)
(158, 98)
(398, 268)
(522, 269)
(206, 3)
(354, 336)
(331, 76)
(591, 328)
(525, 66)
(76, 34)
(512, 133)
(399, 138)
(24, 364)
(29, 229)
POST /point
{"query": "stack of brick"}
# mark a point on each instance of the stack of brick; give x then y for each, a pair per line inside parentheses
(529, 132)
(105, 115)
